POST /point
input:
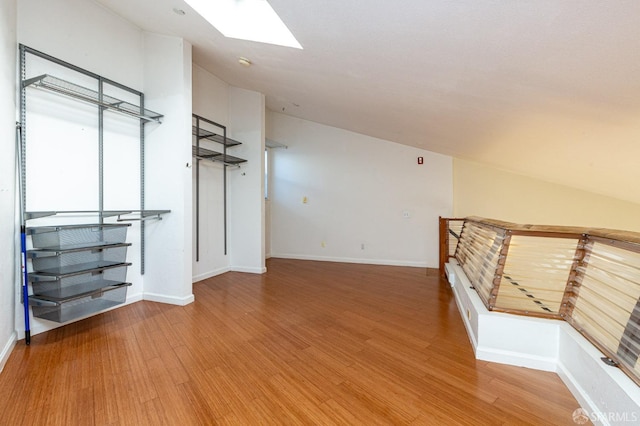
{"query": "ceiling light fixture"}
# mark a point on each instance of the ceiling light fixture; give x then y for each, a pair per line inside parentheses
(244, 61)
(253, 20)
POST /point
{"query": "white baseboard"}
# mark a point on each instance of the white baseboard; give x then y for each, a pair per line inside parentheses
(210, 274)
(6, 350)
(131, 298)
(249, 269)
(220, 271)
(171, 300)
(353, 260)
(519, 359)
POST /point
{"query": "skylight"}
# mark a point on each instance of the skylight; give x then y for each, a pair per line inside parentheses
(253, 20)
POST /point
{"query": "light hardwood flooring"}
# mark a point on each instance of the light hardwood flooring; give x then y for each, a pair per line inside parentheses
(312, 343)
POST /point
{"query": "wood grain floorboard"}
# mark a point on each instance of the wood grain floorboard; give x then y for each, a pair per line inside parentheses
(307, 343)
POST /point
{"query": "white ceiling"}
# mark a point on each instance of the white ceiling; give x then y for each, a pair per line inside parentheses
(545, 88)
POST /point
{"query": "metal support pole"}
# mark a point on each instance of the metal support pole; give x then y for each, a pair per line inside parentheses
(21, 152)
(100, 151)
(224, 180)
(142, 123)
(197, 189)
(23, 130)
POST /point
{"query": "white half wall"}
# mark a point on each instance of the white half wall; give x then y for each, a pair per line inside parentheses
(341, 196)
(606, 394)
(9, 255)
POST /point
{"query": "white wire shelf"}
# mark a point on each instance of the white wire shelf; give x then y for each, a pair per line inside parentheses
(207, 154)
(122, 215)
(215, 137)
(63, 87)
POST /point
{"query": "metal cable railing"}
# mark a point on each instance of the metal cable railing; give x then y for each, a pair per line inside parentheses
(588, 277)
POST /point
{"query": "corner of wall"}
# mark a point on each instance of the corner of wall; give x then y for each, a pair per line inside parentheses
(167, 87)
(246, 185)
(9, 263)
(6, 350)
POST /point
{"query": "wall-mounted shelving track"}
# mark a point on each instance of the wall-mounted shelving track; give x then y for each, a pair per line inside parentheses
(78, 269)
(199, 153)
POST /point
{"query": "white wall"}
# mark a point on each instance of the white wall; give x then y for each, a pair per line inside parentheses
(211, 101)
(357, 190)
(84, 34)
(242, 112)
(210, 96)
(9, 275)
(167, 88)
(605, 392)
(267, 207)
(481, 190)
(246, 185)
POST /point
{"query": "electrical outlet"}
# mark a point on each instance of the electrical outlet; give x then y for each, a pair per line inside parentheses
(362, 246)
(406, 214)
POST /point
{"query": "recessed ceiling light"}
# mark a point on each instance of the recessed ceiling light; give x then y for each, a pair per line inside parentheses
(178, 11)
(244, 61)
(253, 20)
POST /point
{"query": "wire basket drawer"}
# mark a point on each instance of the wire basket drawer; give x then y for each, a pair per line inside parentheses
(61, 262)
(77, 236)
(65, 287)
(77, 270)
(80, 306)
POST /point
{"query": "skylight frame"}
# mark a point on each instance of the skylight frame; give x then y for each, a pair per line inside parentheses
(252, 20)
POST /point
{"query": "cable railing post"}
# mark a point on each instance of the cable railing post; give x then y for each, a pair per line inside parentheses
(499, 271)
(444, 243)
(576, 273)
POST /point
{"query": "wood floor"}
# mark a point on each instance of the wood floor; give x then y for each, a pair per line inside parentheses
(312, 343)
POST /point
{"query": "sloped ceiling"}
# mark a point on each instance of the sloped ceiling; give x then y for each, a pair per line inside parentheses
(547, 88)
